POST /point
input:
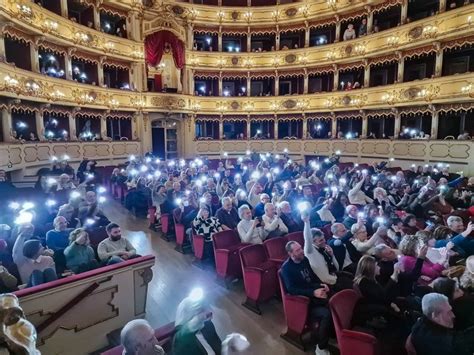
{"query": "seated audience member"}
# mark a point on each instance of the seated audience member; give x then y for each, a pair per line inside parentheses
(195, 332)
(321, 258)
(80, 257)
(462, 238)
(34, 265)
(360, 241)
(227, 215)
(356, 195)
(433, 334)
(409, 247)
(250, 230)
(291, 221)
(90, 210)
(8, 282)
(138, 338)
(395, 231)
(409, 224)
(467, 279)
(273, 225)
(300, 280)
(57, 239)
(344, 251)
(115, 249)
(351, 218)
(260, 207)
(376, 309)
(462, 303)
(206, 226)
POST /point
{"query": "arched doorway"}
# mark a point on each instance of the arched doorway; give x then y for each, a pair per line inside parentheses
(165, 138)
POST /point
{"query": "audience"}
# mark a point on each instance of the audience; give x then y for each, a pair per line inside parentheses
(80, 257)
(115, 249)
(138, 338)
(250, 230)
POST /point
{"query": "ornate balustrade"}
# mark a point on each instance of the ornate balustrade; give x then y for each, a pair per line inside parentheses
(18, 83)
(455, 25)
(32, 155)
(51, 27)
(459, 154)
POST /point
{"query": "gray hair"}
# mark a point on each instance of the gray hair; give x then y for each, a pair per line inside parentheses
(242, 209)
(267, 205)
(289, 245)
(431, 303)
(452, 219)
(378, 250)
(129, 336)
(284, 203)
(334, 227)
(226, 199)
(356, 228)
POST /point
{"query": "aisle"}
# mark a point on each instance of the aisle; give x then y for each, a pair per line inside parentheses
(173, 277)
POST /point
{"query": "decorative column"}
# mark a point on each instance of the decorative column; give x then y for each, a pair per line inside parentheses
(185, 80)
(398, 123)
(333, 125)
(338, 29)
(137, 117)
(133, 24)
(221, 127)
(249, 41)
(72, 126)
(2, 46)
(7, 124)
(100, 71)
(277, 41)
(191, 82)
(404, 12)
(64, 10)
(307, 33)
(401, 67)
(366, 73)
(34, 57)
(145, 132)
(219, 40)
(40, 133)
(434, 123)
(305, 126)
(220, 85)
(275, 127)
(336, 78)
(305, 83)
(442, 5)
(277, 84)
(365, 124)
(96, 20)
(249, 83)
(249, 132)
(370, 20)
(103, 128)
(439, 60)
(68, 63)
(190, 36)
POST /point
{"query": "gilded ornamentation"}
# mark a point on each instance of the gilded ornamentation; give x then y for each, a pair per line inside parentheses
(177, 10)
(346, 100)
(415, 32)
(289, 104)
(290, 58)
(168, 102)
(234, 105)
(234, 60)
(234, 15)
(290, 12)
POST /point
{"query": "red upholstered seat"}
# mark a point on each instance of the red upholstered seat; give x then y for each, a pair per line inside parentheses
(296, 236)
(275, 249)
(180, 233)
(82, 276)
(96, 235)
(198, 246)
(151, 216)
(260, 276)
(296, 316)
(327, 231)
(164, 335)
(226, 251)
(350, 342)
(165, 219)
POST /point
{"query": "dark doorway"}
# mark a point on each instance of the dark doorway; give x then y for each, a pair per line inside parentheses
(158, 137)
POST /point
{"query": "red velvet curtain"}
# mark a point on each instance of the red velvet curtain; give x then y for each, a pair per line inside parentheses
(158, 83)
(155, 47)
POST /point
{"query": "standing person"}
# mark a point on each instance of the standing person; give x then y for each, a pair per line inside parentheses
(300, 280)
(115, 249)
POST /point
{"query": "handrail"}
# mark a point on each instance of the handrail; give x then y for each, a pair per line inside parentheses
(67, 307)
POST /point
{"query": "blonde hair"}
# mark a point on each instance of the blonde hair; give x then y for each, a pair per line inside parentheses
(365, 269)
(466, 281)
(409, 245)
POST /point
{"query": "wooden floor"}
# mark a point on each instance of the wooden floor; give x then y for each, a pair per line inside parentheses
(174, 276)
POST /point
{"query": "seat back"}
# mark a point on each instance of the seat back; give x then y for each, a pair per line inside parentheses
(253, 255)
(342, 306)
(225, 239)
(297, 237)
(96, 235)
(327, 231)
(275, 248)
(283, 294)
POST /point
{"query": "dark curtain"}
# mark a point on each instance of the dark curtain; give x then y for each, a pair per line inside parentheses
(155, 46)
(158, 83)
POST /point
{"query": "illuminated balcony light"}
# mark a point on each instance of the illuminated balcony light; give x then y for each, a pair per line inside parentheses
(466, 89)
(430, 31)
(221, 14)
(393, 40)
(114, 103)
(469, 20)
(109, 45)
(31, 85)
(24, 10)
(50, 25)
(9, 81)
(248, 14)
(57, 94)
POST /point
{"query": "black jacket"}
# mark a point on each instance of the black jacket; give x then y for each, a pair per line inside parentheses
(299, 279)
(430, 338)
(186, 343)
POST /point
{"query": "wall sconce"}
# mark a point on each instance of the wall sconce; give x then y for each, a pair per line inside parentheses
(248, 106)
(388, 98)
(86, 98)
(196, 106)
(275, 15)
(467, 90)
(10, 82)
(329, 103)
(469, 20)
(113, 103)
(221, 15)
(332, 4)
(430, 31)
(109, 46)
(359, 49)
(31, 86)
(82, 37)
(24, 10)
(248, 62)
(331, 55)
(393, 40)
(193, 14)
(50, 26)
(303, 58)
(304, 10)
(56, 95)
(274, 106)
(137, 54)
(248, 15)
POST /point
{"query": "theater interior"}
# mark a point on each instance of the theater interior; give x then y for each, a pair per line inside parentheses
(196, 177)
